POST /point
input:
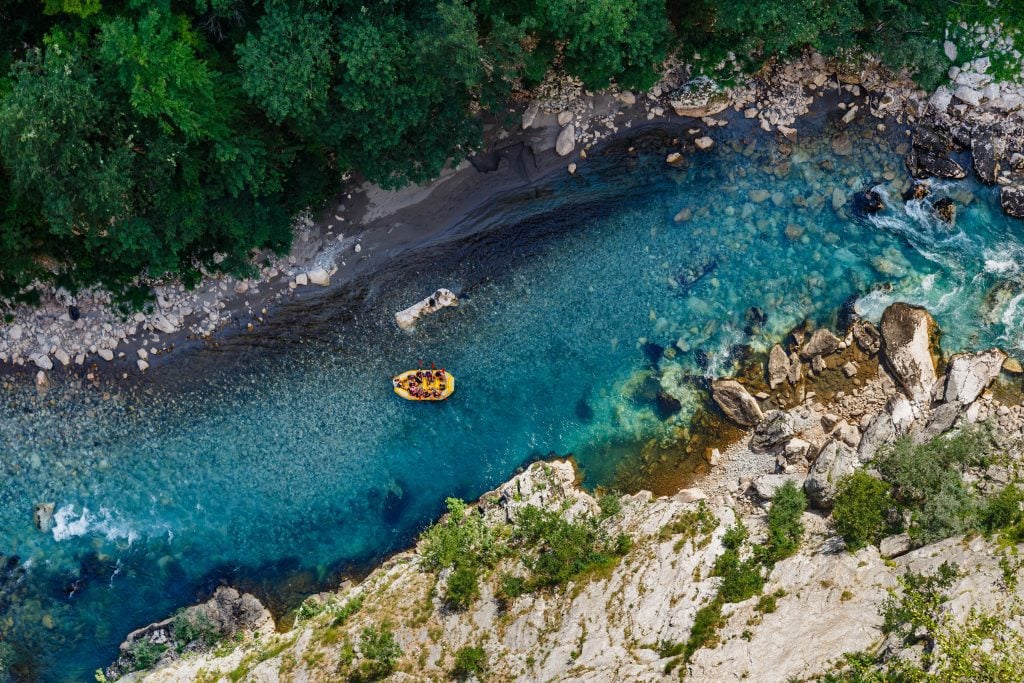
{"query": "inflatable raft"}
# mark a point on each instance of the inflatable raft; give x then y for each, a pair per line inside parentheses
(424, 385)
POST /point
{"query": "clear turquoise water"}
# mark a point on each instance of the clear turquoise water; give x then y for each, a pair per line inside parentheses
(282, 460)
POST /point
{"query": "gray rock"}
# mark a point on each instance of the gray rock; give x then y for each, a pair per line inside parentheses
(894, 546)
(530, 115)
(778, 366)
(776, 428)
(736, 402)
(970, 374)
(821, 343)
(922, 164)
(566, 141)
(835, 460)
(941, 99)
(867, 337)
(942, 420)
(796, 370)
(906, 348)
(42, 516)
(880, 432)
(949, 47)
(767, 485)
(968, 95)
(796, 450)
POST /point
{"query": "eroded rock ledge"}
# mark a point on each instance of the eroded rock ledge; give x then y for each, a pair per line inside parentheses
(615, 625)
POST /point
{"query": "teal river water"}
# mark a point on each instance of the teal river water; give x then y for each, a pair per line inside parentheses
(284, 460)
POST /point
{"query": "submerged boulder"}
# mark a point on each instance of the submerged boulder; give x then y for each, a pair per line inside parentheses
(442, 298)
(736, 402)
(906, 347)
(42, 516)
(945, 211)
(970, 374)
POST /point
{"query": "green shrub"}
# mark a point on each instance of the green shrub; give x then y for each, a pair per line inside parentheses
(470, 661)
(564, 549)
(193, 627)
(784, 526)
(380, 651)
(704, 632)
(1003, 510)
(458, 538)
(510, 587)
(949, 511)
(144, 654)
(611, 504)
(463, 587)
(918, 471)
(859, 513)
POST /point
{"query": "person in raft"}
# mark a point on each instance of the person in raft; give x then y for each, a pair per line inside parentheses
(419, 385)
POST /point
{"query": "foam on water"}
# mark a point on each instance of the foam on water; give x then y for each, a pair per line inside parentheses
(288, 459)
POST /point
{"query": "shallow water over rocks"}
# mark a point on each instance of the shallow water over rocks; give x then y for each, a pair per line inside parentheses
(591, 307)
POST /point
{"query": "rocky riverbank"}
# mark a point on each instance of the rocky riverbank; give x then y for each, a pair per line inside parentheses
(628, 619)
(85, 332)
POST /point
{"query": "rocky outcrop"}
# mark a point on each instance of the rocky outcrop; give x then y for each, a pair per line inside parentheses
(923, 164)
(970, 373)
(442, 298)
(775, 429)
(945, 211)
(736, 402)
(985, 153)
(835, 460)
(906, 346)
(225, 614)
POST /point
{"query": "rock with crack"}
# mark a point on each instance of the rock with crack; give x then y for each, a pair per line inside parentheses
(736, 402)
(941, 420)
(778, 366)
(985, 153)
(835, 460)
(906, 347)
(923, 164)
(777, 427)
(970, 374)
(442, 298)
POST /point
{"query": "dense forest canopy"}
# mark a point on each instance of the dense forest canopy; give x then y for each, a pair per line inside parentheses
(143, 136)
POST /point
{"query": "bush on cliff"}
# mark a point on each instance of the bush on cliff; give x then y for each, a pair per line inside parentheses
(861, 507)
(784, 526)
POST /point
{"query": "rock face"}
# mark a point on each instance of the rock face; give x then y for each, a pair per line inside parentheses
(970, 373)
(767, 485)
(906, 346)
(776, 428)
(442, 298)
(945, 210)
(835, 460)
(736, 402)
(986, 157)
(867, 336)
(923, 164)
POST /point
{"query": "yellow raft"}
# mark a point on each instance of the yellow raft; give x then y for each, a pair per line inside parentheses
(430, 385)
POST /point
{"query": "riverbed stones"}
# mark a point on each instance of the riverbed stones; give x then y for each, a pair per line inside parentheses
(841, 144)
(42, 516)
(971, 373)
(822, 343)
(736, 402)
(704, 142)
(442, 298)
(777, 427)
(835, 460)
(906, 345)
(778, 366)
(565, 143)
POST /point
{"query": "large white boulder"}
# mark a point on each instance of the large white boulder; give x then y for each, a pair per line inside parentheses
(970, 374)
(442, 298)
(736, 402)
(906, 345)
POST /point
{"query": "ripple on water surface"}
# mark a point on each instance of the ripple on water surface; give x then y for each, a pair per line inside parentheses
(278, 464)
